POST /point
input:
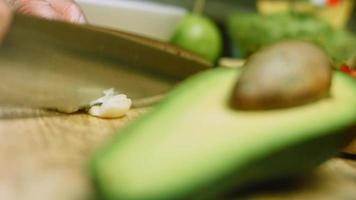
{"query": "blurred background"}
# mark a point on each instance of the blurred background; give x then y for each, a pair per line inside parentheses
(233, 28)
(214, 8)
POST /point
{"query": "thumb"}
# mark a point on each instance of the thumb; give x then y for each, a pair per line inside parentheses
(68, 10)
(38, 8)
(64, 10)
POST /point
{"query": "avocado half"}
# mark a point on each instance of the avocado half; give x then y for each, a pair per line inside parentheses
(194, 146)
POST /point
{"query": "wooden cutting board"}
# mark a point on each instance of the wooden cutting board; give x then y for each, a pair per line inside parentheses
(44, 156)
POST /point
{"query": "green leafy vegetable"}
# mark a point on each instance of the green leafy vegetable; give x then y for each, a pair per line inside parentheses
(249, 32)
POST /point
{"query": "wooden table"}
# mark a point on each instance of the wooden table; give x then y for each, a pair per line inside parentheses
(44, 156)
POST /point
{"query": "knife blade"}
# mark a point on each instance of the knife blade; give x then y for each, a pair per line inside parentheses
(50, 64)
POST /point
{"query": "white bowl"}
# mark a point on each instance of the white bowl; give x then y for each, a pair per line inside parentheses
(149, 19)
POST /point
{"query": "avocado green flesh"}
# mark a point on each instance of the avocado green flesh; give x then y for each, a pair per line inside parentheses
(194, 139)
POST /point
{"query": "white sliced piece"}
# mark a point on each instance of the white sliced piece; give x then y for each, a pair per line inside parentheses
(110, 105)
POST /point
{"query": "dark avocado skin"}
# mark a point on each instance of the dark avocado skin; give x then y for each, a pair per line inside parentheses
(116, 165)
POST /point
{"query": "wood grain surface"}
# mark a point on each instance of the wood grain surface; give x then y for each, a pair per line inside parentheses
(44, 156)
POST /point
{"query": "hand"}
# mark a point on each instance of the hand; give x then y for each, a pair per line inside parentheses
(5, 18)
(63, 10)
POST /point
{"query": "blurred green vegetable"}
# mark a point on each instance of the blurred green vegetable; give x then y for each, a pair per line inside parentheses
(200, 35)
(249, 32)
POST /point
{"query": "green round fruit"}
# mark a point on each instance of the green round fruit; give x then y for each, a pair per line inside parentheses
(199, 35)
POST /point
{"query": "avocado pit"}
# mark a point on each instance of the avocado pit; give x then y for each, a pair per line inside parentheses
(286, 74)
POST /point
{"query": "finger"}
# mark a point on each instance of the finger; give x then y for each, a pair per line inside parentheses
(68, 10)
(5, 18)
(38, 8)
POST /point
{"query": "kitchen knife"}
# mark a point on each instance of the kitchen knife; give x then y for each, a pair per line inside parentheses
(52, 64)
